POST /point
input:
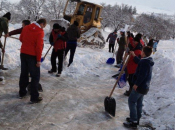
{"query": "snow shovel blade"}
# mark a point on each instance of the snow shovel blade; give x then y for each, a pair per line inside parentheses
(42, 59)
(110, 61)
(110, 105)
(122, 81)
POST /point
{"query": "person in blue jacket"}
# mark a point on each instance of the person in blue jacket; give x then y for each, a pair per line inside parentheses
(112, 38)
(155, 46)
(141, 80)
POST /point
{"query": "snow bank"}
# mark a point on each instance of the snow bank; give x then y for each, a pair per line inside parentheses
(159, 104)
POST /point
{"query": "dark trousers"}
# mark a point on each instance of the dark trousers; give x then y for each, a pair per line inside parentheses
(120, 55)
(28, 65)
(130, 82)
(111, 46)
(135, 105)
(72, 47)
(60, 55)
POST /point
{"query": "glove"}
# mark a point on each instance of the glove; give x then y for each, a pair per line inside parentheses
(59, 35)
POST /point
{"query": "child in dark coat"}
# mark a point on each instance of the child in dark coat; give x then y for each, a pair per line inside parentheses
(141, 80)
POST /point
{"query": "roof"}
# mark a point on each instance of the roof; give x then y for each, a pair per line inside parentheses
(91, 3)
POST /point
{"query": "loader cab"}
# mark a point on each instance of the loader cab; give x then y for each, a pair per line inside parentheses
(85, 13)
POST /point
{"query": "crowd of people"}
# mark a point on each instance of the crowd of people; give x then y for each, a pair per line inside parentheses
(138, 70)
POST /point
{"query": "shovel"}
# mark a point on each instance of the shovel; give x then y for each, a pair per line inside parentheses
(43, 58)
(109, 102)
(111, 60)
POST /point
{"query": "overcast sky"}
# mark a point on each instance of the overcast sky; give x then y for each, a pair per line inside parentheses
(157, 6)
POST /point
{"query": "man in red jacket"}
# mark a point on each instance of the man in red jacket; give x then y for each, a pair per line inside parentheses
(31, 51)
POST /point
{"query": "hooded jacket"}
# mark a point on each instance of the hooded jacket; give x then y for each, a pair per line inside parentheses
(32, 40)
(143, 74)
(73, 33)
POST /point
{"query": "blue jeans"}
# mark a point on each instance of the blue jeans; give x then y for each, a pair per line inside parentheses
(135, 105)
(28, 65)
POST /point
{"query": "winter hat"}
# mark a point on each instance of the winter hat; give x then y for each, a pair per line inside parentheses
(56, 26)
(76, 23)
(137, 39)
(63, 29)
(7, 15)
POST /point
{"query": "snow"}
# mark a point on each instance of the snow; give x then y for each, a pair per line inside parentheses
(75, 100)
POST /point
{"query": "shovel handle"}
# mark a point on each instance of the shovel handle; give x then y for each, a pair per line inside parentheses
(12, 37)
(3, 53)
(47, 51)
(123, 68)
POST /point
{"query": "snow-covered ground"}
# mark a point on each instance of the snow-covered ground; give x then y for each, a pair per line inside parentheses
(75, 100)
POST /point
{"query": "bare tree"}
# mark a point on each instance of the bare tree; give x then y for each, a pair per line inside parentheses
(53, 9)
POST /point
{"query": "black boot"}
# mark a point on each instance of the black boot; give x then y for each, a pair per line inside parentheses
(128, 120)
(52, 71)
(127, 93)
(1, 79)
(132, 125)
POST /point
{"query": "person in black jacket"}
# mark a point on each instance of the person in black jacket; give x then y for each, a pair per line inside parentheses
(73, 33)
(112, 38)
(141, 81)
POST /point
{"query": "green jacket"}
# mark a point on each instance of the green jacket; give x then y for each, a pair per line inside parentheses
(3, 27)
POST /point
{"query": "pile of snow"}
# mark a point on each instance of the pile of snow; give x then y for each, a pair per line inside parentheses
(159, 104)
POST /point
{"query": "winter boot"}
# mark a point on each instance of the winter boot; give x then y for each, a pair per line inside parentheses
(128, 120)
(1, 79)
(132, 125)
(127, 93)
(39, 99)
(58, 74)
(52, 71)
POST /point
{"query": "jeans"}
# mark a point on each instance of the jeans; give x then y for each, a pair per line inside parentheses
(60, 55)
(72, 47)
(135, 105)
(28, 65)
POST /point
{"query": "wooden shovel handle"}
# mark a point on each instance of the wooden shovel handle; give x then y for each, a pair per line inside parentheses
(13, 37)
(121, 72)
(3, 53)
(47, 51)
